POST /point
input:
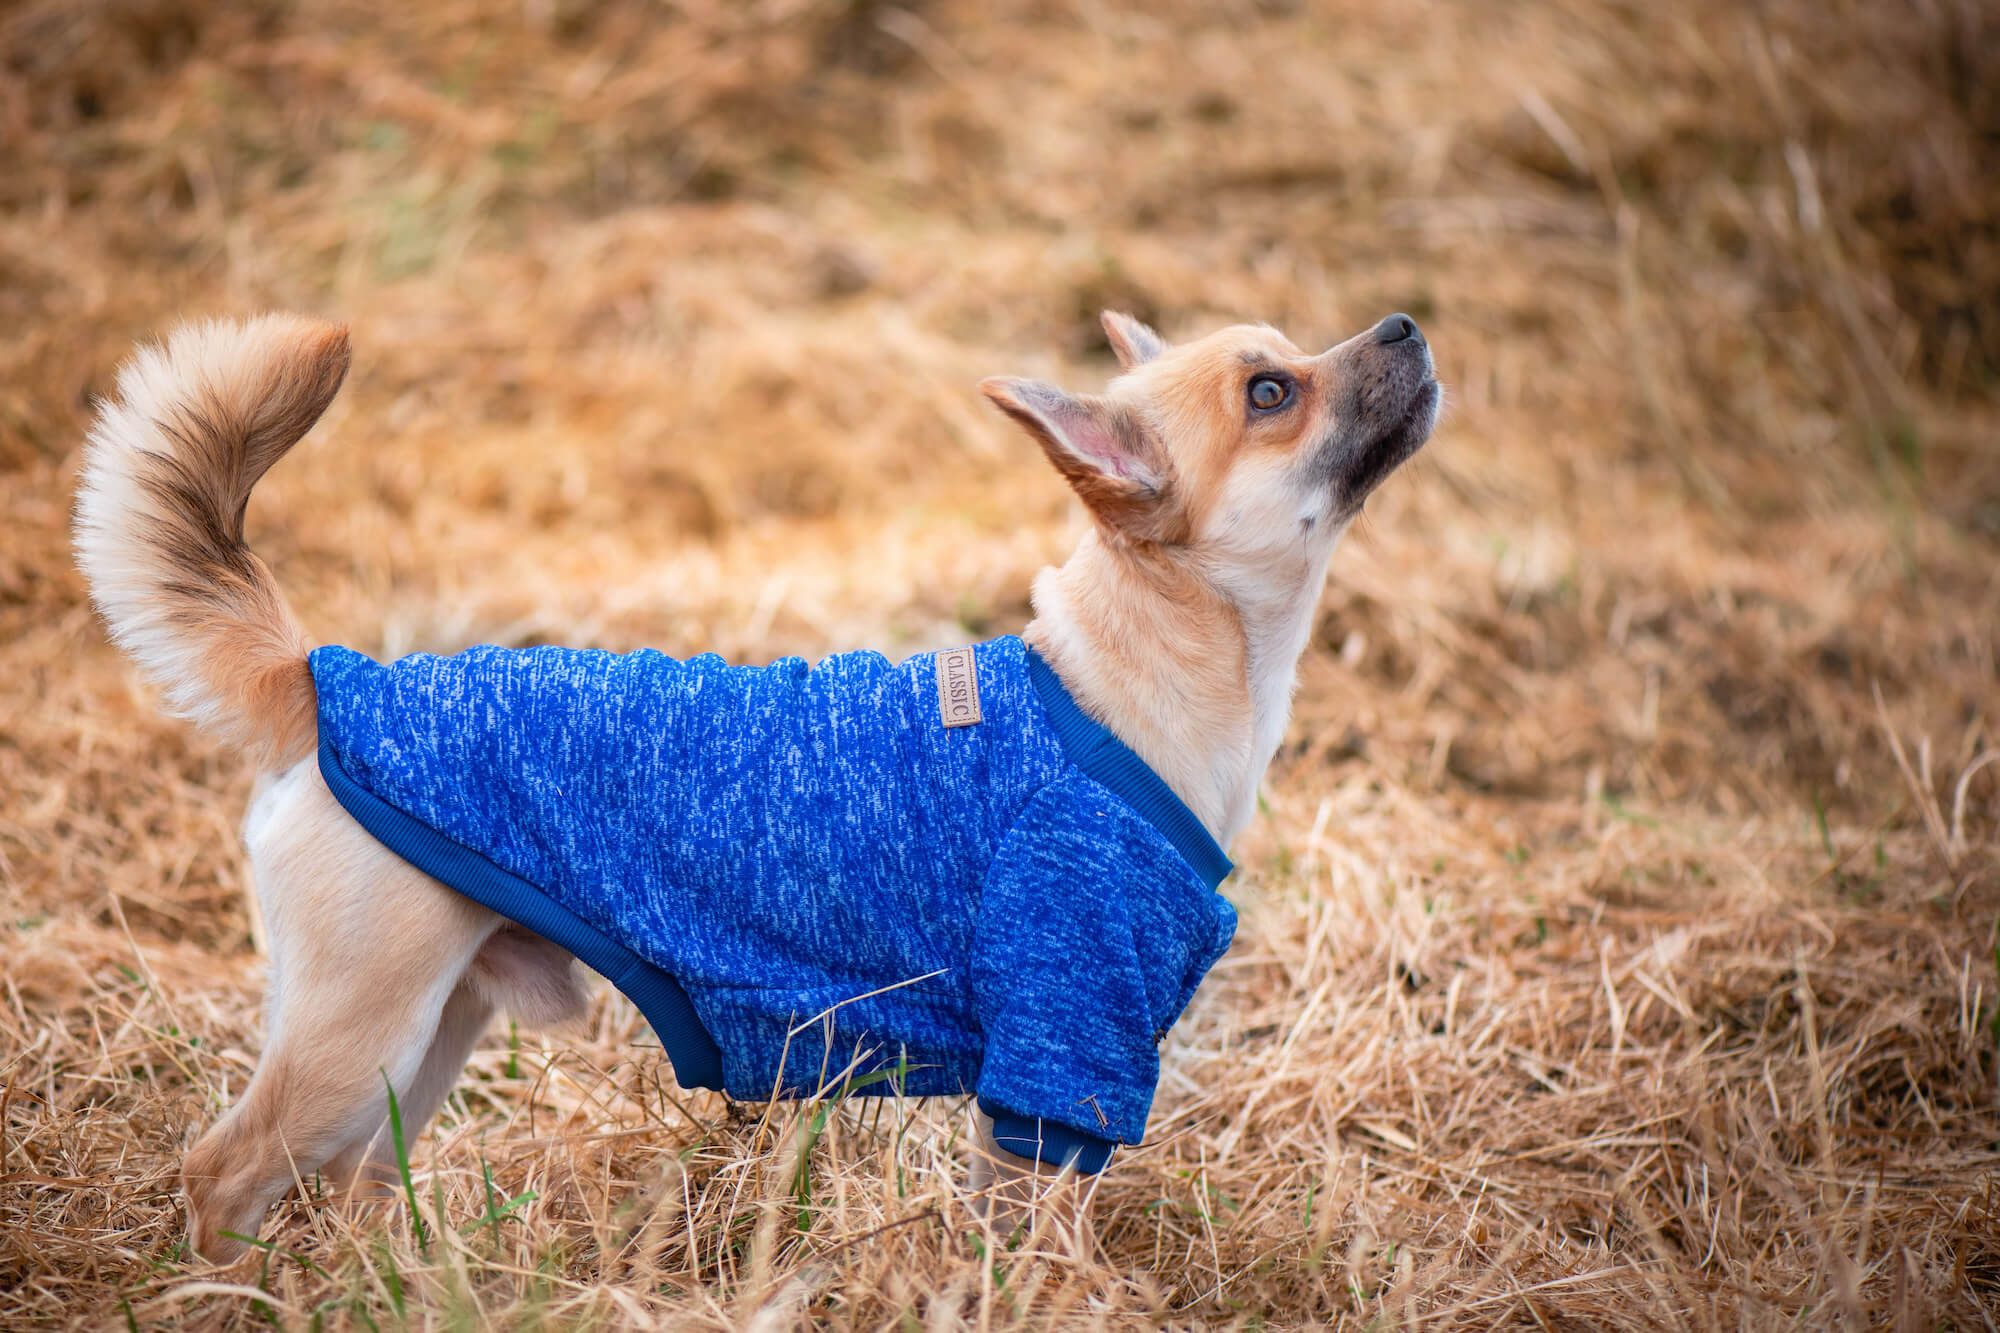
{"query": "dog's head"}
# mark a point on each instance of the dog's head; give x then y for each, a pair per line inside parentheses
(1237, 444)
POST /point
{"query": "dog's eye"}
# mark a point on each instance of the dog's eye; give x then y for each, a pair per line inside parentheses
(1268, 393)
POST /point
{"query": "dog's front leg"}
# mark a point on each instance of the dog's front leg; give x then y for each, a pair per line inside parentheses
(1008, 1191)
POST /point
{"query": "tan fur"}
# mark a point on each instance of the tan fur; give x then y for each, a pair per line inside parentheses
(1178, 621)
(1147, 648)
(1009, 1193)
(166, 476)
(379, 977)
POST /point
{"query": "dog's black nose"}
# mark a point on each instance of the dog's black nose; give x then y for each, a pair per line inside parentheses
(1396, 329)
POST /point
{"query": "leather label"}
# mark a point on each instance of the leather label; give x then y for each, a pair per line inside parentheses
(958, 687)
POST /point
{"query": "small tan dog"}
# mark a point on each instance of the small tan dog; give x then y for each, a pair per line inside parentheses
(1220, 474)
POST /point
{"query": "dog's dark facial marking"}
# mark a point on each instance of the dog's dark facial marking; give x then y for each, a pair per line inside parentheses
(1385, 406)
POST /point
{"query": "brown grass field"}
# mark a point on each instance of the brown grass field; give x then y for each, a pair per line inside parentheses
(1618, 943)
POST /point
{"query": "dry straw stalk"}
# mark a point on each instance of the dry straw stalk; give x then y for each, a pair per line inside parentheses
(1618, 936)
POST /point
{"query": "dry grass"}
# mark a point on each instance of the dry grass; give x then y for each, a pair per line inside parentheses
(1618, 943)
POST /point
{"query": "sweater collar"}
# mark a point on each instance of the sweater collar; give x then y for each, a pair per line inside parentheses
(1109, 762)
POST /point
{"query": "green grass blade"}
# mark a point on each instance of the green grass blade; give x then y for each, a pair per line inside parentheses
(403, 1169)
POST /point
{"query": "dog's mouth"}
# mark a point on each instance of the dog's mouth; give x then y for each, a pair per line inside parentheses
(1361, 470)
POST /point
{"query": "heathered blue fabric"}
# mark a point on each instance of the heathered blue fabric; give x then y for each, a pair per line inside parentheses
(837, 883)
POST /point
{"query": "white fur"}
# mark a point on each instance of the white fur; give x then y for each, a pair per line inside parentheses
(218, 360)
(1268, 554)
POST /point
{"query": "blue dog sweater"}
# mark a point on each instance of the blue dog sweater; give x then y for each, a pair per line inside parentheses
(802, 876)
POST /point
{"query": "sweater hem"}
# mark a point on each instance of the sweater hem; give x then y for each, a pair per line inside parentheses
(696, 1058)
(1048, 1141)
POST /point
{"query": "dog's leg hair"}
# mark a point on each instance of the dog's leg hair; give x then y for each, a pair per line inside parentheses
(1008, 1191)
(367, 951)
(370, 1159)
(319, 1088)
(534, 980)
(375, 969)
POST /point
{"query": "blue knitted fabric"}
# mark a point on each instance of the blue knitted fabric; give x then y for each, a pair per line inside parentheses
(800, 875)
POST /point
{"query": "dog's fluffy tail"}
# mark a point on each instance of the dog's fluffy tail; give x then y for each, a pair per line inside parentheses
(166, 475)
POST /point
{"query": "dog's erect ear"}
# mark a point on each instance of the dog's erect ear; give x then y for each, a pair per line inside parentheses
(1108, 455)
(1133, 342)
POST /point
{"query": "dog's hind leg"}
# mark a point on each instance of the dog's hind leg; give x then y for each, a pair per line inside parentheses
(368, 955)
(535, 981)
(370, 1157)
(319, 1088)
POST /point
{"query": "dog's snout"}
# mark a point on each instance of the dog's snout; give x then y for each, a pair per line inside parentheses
(1398, 328)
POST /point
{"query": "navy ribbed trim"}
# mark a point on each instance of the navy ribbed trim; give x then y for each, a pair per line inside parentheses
(696, 1058)
(1047, 1142)
(1111, 763)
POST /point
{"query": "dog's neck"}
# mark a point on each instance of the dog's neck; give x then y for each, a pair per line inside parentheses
(1190, 667)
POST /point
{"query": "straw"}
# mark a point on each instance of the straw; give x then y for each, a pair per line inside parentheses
(1611, 958)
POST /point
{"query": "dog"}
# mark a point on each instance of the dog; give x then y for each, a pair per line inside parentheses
(986, 870)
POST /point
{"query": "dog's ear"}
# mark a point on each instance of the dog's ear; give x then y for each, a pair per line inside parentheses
(1106, 452)
(1133, 342)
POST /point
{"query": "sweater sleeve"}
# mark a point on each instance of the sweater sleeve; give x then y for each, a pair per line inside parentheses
(1091, 934)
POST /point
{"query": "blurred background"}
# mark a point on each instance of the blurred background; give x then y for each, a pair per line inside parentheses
(667, 318)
